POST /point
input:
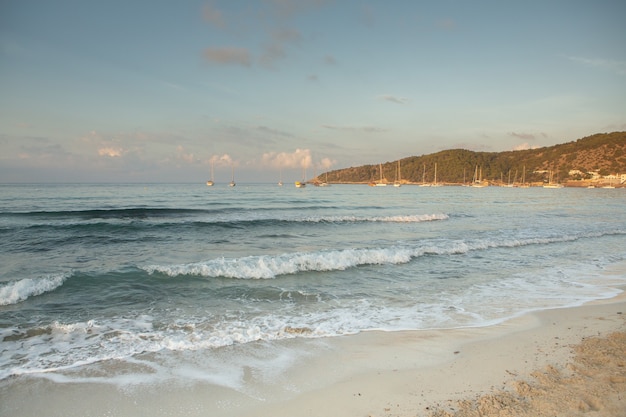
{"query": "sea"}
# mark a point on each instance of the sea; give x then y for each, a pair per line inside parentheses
(131, 284)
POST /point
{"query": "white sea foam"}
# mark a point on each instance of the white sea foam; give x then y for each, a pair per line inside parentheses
(272, 266)
(415, 218)
(268, 266)
(18, 291)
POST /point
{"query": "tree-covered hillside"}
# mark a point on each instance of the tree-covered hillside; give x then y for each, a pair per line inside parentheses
(604, 153)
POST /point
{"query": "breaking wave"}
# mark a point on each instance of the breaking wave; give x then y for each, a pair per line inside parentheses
(17, 291)
(272, 266)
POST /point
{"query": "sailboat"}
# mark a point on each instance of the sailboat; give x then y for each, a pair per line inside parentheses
(424, 184)
(435, 183)
(210, 182)
(398, 181)
(524, 185)
(510, 184)
(477, 182)
(381, 183)
(302, 184)
(232, 181)
(325, 182)
(280, 178)
(551, 184)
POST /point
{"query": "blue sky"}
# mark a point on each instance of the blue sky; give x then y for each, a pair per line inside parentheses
(134, 91)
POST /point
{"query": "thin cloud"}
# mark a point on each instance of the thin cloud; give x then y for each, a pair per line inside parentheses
(368, 129)
(274, 132)
(228, 56)
(286, 9)
(330, 60)
(528, 136)
(525, 136)
(213, 16)
(393, 99)
(619, 67)
(276, 49)
(275, 35)
(446, 24)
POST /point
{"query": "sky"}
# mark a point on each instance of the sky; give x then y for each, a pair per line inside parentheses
(158, 91)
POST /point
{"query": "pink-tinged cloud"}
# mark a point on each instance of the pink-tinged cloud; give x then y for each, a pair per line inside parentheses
(222, 160)
(300, 158)
(213, 16)
(525, 146)
(228, 56)
(111, 152)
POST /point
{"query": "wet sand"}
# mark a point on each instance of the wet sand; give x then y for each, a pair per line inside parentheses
(562, 362)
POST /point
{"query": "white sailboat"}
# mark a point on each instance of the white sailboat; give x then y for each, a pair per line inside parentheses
(477, 181)
(232, 181)
(435, 184)
(524, 185)
(424, 184)
(325, 182)
(210, 182)
(398, 181)
(551, 184)
(280, 178)
(381, 183)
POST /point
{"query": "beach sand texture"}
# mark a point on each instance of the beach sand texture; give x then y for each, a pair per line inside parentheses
(592, 384)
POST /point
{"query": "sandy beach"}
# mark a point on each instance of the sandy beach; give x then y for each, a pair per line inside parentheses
(562, 362)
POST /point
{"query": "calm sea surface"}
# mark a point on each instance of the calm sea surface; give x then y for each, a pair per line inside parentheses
(92, 275)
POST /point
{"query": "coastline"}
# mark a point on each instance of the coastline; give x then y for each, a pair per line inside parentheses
(464, 364)
(430, 373)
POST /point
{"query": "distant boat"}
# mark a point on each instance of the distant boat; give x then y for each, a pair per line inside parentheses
(477, 181)
(398, 181)
(524, 185)
(280, 180)
(381, 183)
(232, 181)
(302, 184)
(424, 184)
(325, 182)
(551, 184)
(210, 182)
(510, 184)
(435, 184)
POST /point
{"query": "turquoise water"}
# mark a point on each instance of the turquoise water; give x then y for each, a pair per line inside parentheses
(96, 274)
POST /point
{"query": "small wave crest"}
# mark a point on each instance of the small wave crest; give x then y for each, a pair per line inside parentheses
(415, 218)
(272, 266)
(268, 266)
(17, 291)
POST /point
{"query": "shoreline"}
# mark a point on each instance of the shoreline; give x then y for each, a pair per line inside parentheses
(464, 364)
(429, 373)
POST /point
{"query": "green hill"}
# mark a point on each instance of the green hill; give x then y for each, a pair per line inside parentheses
(604, 153)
